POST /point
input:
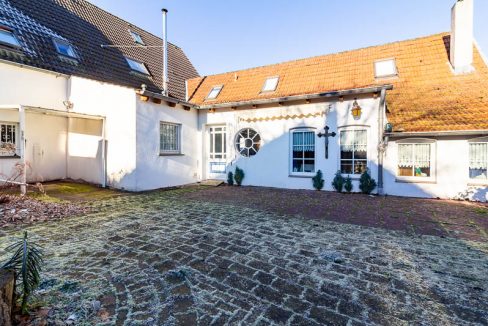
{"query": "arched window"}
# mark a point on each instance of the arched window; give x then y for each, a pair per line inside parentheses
(248, 142)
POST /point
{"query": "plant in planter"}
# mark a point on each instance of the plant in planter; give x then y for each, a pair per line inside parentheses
(348, 185)
(230, 178)
(366, 183)
(338, 182)
(26, 262)
(318, 182)
(239, 176)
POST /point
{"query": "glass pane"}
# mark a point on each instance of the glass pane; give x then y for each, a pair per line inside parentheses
(346, 167)
(297, 152)
(359, 166)
(360, 155)
(218, 143)
(8, 37)
(405, 171)
(297, 166)
(346, 155)
(422, 171)
(309, 166)
(478, 173)
(309, 154)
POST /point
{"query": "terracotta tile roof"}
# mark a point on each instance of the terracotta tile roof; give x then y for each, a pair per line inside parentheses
(86, 27)
(427, 96)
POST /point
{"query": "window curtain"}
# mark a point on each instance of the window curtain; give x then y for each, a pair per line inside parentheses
(354, 140)
(478, 156)
(305, 139)
(417, 155)
(169, 137)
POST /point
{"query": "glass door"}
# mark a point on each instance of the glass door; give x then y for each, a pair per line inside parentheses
(216, 152)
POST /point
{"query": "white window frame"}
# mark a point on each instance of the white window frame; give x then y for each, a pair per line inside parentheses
(225, 145)
(16, 135)
(290, 155)
(178, 151)
(394, 74)
(217, 89)
(433, 161)
(71, 50)
(137, 66)
(136, 37)
(368, 154)
(10, 32)
(270, 79)
(482, 140)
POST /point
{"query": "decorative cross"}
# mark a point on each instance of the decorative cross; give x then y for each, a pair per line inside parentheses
(327, 134)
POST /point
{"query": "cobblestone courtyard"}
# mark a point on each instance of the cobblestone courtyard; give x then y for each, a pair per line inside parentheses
(165, 258)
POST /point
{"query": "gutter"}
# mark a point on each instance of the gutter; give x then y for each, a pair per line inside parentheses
(355, 91)
(437, 133)
(165, 98)
(381, 129)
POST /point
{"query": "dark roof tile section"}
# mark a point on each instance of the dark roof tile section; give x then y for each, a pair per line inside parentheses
(427, 95)
(87, 27)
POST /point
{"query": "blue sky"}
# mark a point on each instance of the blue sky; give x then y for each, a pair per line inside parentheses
(226, 35)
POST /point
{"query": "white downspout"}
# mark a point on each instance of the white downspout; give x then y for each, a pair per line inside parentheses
(165, 52)
(104, 158)
(23, 187)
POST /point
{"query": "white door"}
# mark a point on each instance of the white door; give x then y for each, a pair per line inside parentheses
(217, 154)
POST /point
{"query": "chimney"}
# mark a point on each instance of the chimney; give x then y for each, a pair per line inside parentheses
(462, 37)
(165, 52)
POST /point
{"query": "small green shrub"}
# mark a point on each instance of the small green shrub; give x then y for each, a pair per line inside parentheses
(318, 182)
(348, 184)
(230, 178)
(239, 176)
(338, 182)
(26, 262)
(366, 183)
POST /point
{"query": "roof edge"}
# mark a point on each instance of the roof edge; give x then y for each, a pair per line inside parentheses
(399, 134)
(331, 94)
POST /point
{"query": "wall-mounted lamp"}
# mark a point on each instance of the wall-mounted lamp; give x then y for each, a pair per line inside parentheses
(356, 110)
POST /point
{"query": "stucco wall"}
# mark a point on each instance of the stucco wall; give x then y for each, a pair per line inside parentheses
(155, 171)
(271, 165)
(118, 105)
(450, 173)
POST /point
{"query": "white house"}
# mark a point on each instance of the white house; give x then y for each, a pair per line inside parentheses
(82, 97)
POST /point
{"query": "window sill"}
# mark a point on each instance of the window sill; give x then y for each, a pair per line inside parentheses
(415, 180)
(478, 183)
(7, 157)
(171, 154)
(307, 176)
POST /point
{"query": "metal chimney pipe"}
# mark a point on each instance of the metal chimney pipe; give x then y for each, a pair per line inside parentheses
(165, 52)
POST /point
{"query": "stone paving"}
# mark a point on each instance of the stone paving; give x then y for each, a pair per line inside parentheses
(161, 259)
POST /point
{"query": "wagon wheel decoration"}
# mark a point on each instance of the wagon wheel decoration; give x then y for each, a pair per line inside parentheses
(248, 142)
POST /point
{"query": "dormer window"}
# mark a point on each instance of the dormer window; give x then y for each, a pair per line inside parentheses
(385, 68)
(214, 92)
(64, 48)
(137, 66)
(270, 84)
(7, 37)
(137, 38)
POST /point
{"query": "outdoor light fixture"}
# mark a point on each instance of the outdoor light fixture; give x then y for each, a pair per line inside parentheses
(356, 110)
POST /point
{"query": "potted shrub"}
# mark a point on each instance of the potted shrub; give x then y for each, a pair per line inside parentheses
(318, 182)
(338, 182)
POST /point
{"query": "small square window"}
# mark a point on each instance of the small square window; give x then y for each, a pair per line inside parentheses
(270, 84)
(137, 66)
(214, 92)
(8, 139)
(385, 68)
(7, 37)
(65, 48)
(136, 37)
(169, 138)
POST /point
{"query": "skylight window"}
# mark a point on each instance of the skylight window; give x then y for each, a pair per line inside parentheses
(137, 66)
(270, 84)
(214, 92)
(7, 37)
(136, 37)
(385, 68)
(64, 48)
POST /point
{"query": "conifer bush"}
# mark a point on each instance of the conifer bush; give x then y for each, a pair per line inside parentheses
(230, 178)
(366, 183)
(239, 176)
(338, 182)
(318, 182)
(348, 185)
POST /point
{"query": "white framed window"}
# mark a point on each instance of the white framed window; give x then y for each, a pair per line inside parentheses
(136, 37)
(169, 138)
(354, 151)
(302, 151)
(137, 66)
(8, 139)
(64, 48)
(217, 143)
(270, 84)
(478, 159)
(7, 37)
(214, 92)
(416, 159)
(385, 68)
(248, 142)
